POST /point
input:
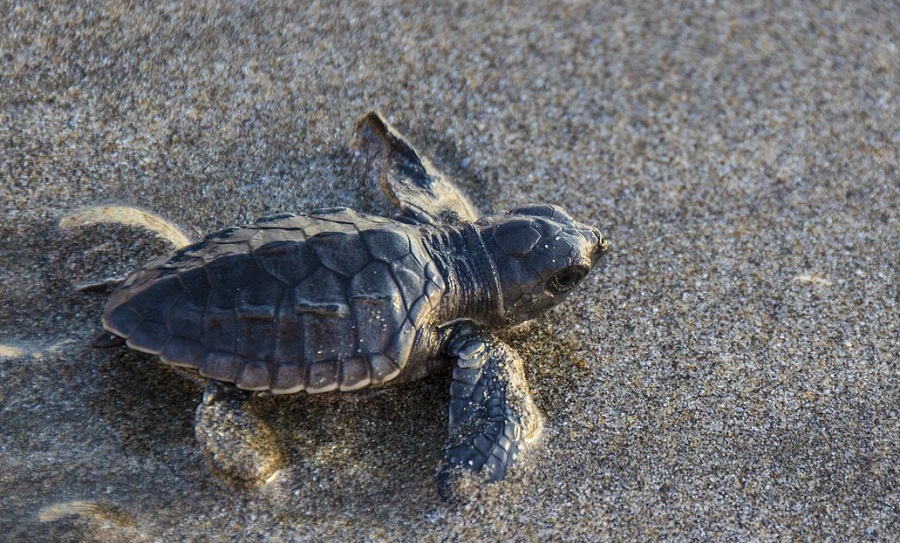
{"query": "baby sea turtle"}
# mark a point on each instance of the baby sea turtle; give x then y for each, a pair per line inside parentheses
(336, 300)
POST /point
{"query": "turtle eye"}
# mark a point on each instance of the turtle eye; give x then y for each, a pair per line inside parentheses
(566, 280)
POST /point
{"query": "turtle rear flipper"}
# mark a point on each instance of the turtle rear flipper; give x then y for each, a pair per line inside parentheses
(103, 339)
(491, 412)
(104, 286)
(239, 445)
(106, 340)
(410, 181)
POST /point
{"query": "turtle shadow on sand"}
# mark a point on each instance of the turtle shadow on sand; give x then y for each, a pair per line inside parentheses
(147, 405)
(39, 265)
(338, 453)
(362, 454)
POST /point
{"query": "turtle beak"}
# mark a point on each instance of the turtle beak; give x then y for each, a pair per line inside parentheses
(599, 247)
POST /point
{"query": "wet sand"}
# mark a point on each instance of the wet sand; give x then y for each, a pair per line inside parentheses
(729, 373)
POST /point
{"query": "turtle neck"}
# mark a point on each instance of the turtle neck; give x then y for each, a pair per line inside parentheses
(472, 281)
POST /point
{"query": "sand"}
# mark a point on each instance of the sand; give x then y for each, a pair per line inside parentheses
(728, 373)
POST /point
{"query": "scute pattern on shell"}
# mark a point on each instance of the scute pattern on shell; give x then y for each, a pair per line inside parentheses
(327, 301)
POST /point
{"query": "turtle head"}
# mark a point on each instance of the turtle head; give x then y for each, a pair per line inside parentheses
(541, 254)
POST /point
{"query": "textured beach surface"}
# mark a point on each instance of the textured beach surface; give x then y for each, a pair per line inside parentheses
(728, 373)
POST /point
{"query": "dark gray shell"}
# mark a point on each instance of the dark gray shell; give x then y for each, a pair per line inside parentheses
(332, 300)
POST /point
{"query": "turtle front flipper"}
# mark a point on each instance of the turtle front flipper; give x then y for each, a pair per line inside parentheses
(410, 181)
(491, 412)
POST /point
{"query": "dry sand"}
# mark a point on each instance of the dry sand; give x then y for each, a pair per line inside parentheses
(730, 373)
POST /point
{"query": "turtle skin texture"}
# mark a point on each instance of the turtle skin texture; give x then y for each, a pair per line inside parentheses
(327, 301)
